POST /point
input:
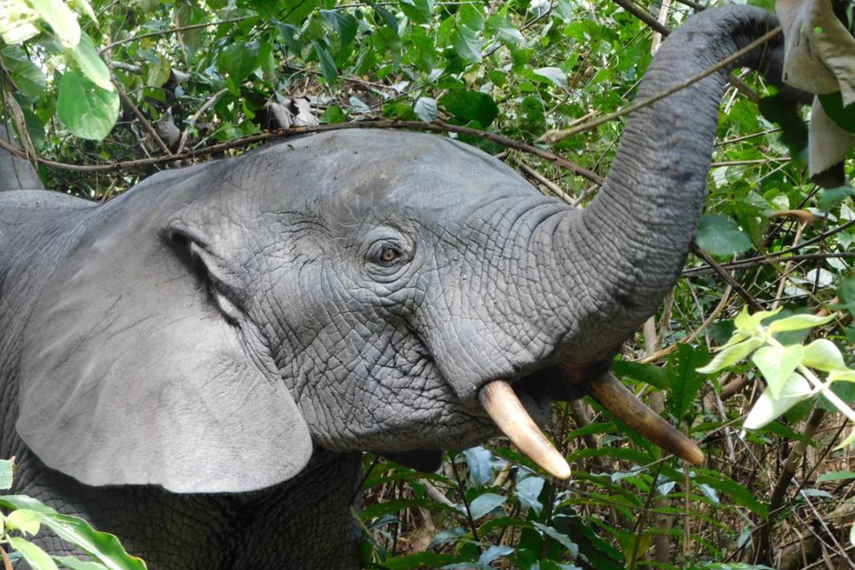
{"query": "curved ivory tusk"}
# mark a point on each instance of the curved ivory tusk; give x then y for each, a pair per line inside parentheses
(504, 408)
(617, 399)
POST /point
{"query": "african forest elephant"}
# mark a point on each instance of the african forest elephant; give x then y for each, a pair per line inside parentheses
(196, 365)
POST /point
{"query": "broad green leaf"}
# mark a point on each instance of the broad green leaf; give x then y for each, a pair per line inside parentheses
(61, 19)
(103, 547)
(684, 379)
(91, 64)
(828, 199)
(467, 45)
(502, 28)
(738, 494)
(37, 558)
(25, 520)
(85, 7)
(720, 236)
(74, 564)
(799, 322)
(562, 538)
(480, 462)
(493, 553)
(157, 73)
(238, 60)
(832, 103)
(88, 111)
(844, 375)
(17, 22)
(328, 67)
(289, 33)
(420, 560)
(418, 11)
(649, 373)
(777, 363)
(731, 355)
(528, 490)
(470, 106)
(485, 504)
(345, 24)
(748, 323)
(768, 407)
(7, 469)
(553, 74)
(471, 17)
(426, 109)
(26, 75)
(835, 476)
(822, 354)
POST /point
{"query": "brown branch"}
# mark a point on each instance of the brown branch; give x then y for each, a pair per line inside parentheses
(554, 136)
(757, 261)
(728, 278)
(286, 133)
(7, 564)
(142, 119)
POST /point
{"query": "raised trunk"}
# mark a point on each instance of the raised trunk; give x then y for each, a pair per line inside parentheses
(633, 239)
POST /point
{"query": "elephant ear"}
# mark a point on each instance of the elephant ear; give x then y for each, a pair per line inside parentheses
(130, 374)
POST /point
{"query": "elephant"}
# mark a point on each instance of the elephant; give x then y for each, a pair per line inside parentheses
(198, 364)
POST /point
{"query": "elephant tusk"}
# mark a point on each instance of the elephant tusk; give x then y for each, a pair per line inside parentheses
(504, 408)
(617, 399)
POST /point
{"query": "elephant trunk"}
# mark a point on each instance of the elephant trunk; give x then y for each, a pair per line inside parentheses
(630, 244)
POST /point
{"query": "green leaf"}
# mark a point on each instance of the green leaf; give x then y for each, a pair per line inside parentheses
(470, 106)
(157, 73)
(103, 547)
(767, 408)
(832, 103)
(528, 490)
(748, 323)
(776, 363)
(553, 74)
(37, 558)
(7, 470)
(731, 355)
(418, 11)
(88, 111)
(91, 64)
(824, 355)
(25, 520)
(562, 538)
(333, 114)
(426, 109)
(467, 45)
(328, 67)
(799, 322)
(420, 560)
(485, 504)
(720, 236)
(345, 24)
(61, 19)
(828, 199)
(501, 27)
(238, 60)
(471, 17)
(835, 476)
(74, 564)
(684, 379)
(26, 75)
(649, 373)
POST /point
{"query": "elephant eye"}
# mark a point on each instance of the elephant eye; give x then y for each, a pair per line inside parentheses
(389, 254)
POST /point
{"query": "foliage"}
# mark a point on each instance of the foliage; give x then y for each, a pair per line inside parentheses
(24, 518)
(150, 78)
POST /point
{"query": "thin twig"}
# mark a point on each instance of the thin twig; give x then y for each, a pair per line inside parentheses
(295, 131)
(728, 278)
(205, 106)
(142, 118)
(771, 258)
(554, 136)
(172, 31)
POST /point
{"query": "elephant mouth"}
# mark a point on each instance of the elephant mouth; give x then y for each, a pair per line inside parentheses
(500, 401)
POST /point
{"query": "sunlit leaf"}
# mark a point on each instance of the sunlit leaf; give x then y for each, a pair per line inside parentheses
(25, 520)
(37, 558)
(748, 322)
(731, 355)
(7, 468)
(88, 111)
(777, 363)
(799, 322)
(767, 407)
(823, 354)
(91, 64)
(63, 21)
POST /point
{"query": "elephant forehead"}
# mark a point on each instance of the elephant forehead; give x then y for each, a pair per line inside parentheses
(364, 167)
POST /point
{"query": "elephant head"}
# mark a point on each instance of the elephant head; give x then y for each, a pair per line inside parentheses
(360, 290)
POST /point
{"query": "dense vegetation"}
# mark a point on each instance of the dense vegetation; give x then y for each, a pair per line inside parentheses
(152, 84)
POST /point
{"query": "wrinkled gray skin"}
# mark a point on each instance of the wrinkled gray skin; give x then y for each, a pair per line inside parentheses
(200, 361)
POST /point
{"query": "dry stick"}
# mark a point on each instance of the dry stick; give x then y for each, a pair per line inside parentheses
(172, 31)
(704, 325)
(543, 180)
(762, 552)
(558, 135)
(7, 564)
(205, 106)
(294, 131)
(152, 133)
(757, 261)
